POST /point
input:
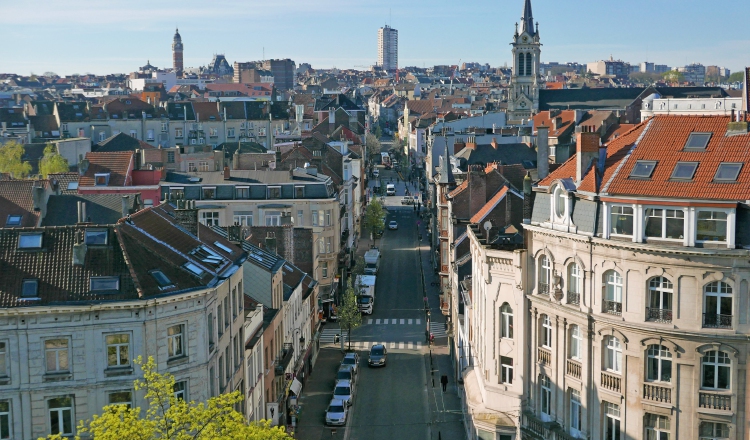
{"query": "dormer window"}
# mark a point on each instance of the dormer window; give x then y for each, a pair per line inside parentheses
(195, 270)
(162, 280)
(13, 220)
(561, 200)
(104, 283)
(96, 237)
(30, 241)
(101, 179)
(274, 192)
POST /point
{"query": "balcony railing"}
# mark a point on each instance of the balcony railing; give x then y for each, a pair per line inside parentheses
(285, 356)
(612, 307)
(535, 426)
(713, 320)
(715, 401)
(657, 393)
(611, 381)
(543, 289)
(573, 369)
(574, 298)
(658, 315)
(544, 356)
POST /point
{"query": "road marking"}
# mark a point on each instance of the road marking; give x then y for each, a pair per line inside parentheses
(393, 321)
(393, 345)
(402, 321)
(419, 345)
(411, 345)
(369, 321)
(419, 321)
(410, 321)
(400, 345)
(377, 321)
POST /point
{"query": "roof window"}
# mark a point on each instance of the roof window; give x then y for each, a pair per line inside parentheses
(72, 186)
(194, 269)
(96, 237)
(643, 169)
(13, 220)
(104, 283)
(162, 280)
(697, 141)
(222, 247)
(30, 241)
(101, 179)
(728, 172)
(684, 170)
(208, 256)
(30, 289)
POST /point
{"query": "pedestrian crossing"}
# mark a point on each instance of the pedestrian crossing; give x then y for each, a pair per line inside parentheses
(438, 329)
(393, 321)
(328, 335)
(392, 345)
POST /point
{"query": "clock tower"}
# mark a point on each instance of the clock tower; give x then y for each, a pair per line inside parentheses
(523, 99)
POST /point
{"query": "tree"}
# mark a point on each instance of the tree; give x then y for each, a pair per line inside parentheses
(378, 132)
(49, 74)
(645, 77)
(52, 162)
(373, 144)
(349, 315)
(737, 77)
(168, 417)
(673, 76)
(359, 267)
(374, 220)
(11, 155)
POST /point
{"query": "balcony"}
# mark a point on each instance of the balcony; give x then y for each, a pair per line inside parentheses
(284, 357)
(543, 289)
(573, 369)
(658, 315)
(657, 393)
(611, 381)
(544, 356)
(535, 426)
(712, 320)
(715, 401)
(574, 298)
(612, 307)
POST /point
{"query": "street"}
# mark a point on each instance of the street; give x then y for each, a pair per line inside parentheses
(403, 400)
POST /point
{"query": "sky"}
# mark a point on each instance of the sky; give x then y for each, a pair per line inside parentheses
(118, 36)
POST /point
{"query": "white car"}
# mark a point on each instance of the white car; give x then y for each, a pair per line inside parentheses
(336, 412)
(344, 391)
(376, 173)
(393, 225)
(351, 359)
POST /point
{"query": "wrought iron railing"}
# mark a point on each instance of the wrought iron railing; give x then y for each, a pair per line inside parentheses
(658, 315)
(612, 307)
(574, 298)
(713, 320)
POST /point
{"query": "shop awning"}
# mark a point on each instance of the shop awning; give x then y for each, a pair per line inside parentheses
(296, 387)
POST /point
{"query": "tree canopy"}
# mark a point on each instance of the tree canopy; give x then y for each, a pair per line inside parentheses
(169, 417)
(52, 162)
(11, 160)
(673, 76)
(374, 220)
(349, 315)
(736, 77)
(373, 144)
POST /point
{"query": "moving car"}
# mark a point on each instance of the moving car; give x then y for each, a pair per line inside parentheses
(366, 304)
(378, 356)
(344, 390)
(351, 359)
(346, 372)
(336, 412)
(376, 172)
(390, 189)
(393, 225)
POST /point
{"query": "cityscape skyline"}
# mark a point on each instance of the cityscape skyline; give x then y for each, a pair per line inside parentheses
(140, 38)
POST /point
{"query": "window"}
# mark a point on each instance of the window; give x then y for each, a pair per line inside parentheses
(118, 347)
(317, 218)
(299, 192)
(621, 220)
(575, 283)
(576, 342)
(227, 310)
(300, 218)
(191, 167)
(150, 134)
(613, 355)
(220, 318)
(210, 218)
(177, 192)
(684, 170)
(657, 427)
(230, 132)
(210, 329)
(227, 364)
(161, 280)
(643, 169)
(61, 416)
(5, 420)
(235, 310)
(30, 241)
(29, 289)
(545, 274)
(13, 220)
(120, 398)
(72, 186)
(728, 172)
(212, 382)
(658, 364)
(717, 305)
(163, 127)
(506, 321)
(101, 179)
(324, 269)
(576, 412)
(81, 132)
(546, 395)
(175, 343)
(170, 156)
(203, 166)
(243, 219)
(612, 422)
(328, 217)
(213, 132)
(712, 226)
(56, 355)
(506, 370)
(104, 283)
(714, 431)
(660, 300)
(560, 200)
(716, 370)
(665, 223)
(3, 359)
(180, 390)
(102, 136)
(209, 193)
(613, 292)
(274, 192)
(329, 245)
(133, 133)
(546, 332)
(221, 372)
(697, 141)
(195, 270)
(178, 132)
(242, 192)
(96, 237)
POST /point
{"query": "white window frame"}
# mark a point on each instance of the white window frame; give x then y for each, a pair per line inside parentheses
(716, 364)
(272, 218)
(612, 415)
(60, 355)
(659, 355)
(210, 218)
(545, 270)
(622, 208)
(729, 235)
(545, 397)
(576, 413)
(560, 203)
(324, 269)
(613, 286)
(613, 355)
(575, 278)
(243, 219)
(329, 216)
(4, 358)
(128, 402)
(546, 332)
(720, 290)
(719, 431)
(506, 321)
(506, 370)
(300, 218)
(657, 426)
(664, 215)
(118, 347)
(180, 389)
(62, 412)
(176, 346)
(576, 342)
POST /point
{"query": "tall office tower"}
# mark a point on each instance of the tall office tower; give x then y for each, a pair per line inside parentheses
(177, 52)
(388, 48)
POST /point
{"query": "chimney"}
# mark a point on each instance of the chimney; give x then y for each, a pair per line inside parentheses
(227, 174)
(458, 146)
(477, 189)
(587, 150)
(494, 143)
(37, 198)
(125, 206)
(527, 199)
(79, 252)
(81, 212)
(602, 159)
(471, 143)
(332, 118)
(556, 123)
(236, 159)
(542, 151)
(83, 166)
(271, 242)
(187, 216)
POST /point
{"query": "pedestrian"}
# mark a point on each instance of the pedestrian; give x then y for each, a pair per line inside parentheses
(444, 381)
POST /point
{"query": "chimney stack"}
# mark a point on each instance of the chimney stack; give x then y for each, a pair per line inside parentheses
(125, 206)
(79, 250)
(587, 150)
(83, 165)
(471, 143)
(37, 198)
(542, 151)
(187, 216)
(81, 212)
(236, 159)
(271, 242)
(227, 173)
(527, 199)
(494, 143)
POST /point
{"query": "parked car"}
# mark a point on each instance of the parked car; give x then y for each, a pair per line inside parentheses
(344, 390)
(351, 359)
(376, 172)
(336, 412)
(378, 356)
(393, 225)
(346, 372)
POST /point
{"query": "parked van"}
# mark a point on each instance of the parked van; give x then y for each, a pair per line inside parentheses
(390, 189)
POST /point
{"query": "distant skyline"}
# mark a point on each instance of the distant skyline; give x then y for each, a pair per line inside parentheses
(80, 36)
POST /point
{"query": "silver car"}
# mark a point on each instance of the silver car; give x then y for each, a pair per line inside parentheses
(346, 372)
(337, 412)
(351, 359)
(344, 390)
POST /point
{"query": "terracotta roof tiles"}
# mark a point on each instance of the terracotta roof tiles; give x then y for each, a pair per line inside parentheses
(117, 164)
(489, 206)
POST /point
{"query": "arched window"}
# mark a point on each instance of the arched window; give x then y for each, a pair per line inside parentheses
(545, 274)
(660, 300)
(506, 321)
(560, 200)
(529, 64)
(717, 305)
(717, 369)
(659, 364)
(612, 292)
(575, 283)
(576, 342)
(546, 337)
(612, 354)
(521, 65)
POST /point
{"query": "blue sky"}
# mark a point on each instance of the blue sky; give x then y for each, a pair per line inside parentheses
(78, 36)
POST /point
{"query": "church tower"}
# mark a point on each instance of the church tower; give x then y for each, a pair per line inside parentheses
(523, 99)
(177, 52)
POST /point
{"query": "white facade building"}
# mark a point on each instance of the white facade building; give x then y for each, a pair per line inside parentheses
(388, 48)
(655, 105)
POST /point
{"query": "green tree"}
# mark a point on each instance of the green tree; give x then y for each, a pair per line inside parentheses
(349, 315)
(645, 77)
(11, 155)
(168, 417)
(359, 266)
(374, 220)
(737, 77)
(52, 162)
(378, 132)
(673, 76)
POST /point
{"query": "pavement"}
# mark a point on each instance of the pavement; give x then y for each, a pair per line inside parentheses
(403, 400)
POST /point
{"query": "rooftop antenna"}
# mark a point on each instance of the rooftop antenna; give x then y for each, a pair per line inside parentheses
(390, 17)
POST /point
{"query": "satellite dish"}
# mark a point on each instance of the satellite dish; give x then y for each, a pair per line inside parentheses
(487, 226)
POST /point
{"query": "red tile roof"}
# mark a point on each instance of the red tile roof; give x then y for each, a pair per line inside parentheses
(489, 206)
(568, 118)
(459, 189)
(117, 164)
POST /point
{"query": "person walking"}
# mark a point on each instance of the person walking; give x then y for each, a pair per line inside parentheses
(444, 381)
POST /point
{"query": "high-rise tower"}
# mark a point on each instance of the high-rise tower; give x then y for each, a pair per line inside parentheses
(177, 52)
(388, 48)
(523, 100)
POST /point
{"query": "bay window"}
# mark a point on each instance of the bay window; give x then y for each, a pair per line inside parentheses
(621, 220)
(665, 223)
(711, 226)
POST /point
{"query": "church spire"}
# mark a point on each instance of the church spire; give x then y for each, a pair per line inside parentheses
(527, 19)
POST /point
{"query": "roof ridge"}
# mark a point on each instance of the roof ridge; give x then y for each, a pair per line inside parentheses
(627, 156)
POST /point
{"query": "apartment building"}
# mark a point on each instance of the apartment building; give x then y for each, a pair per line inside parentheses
(388, 48)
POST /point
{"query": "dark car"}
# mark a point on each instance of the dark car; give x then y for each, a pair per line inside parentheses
(378, 356)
